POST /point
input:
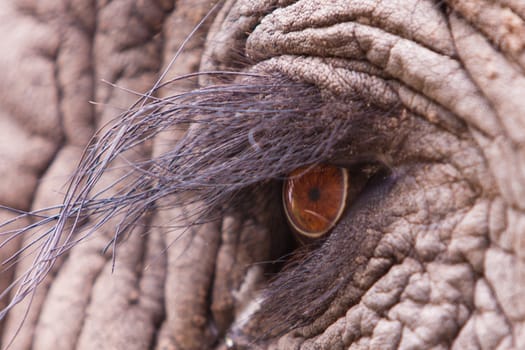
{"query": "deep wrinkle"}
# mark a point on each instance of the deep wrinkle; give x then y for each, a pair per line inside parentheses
(443, 63)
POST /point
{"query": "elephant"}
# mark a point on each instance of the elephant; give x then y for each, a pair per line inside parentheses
(150, 153)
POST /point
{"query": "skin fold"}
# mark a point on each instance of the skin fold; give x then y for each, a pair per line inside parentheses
(178, 237)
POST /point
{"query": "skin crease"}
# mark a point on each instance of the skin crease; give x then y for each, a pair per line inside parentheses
(426, 95)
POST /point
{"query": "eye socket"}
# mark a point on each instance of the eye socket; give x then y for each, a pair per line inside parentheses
(314, 198)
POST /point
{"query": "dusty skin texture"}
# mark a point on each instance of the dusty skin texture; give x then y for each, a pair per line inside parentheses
(428, 256)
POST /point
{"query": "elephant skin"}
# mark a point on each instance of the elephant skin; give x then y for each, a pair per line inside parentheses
(423, 101)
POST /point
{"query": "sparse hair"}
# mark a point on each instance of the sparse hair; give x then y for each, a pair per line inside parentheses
(241, 134)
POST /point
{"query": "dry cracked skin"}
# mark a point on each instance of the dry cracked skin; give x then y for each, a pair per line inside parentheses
(172, 235)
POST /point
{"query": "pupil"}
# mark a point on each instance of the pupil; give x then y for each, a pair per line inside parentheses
(314, 194)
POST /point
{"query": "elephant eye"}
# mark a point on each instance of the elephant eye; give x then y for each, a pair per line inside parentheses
(314, 198)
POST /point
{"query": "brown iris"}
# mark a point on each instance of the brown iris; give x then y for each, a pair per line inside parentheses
(314, 198)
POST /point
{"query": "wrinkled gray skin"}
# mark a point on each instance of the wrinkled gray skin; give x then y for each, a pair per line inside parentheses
(445, 267)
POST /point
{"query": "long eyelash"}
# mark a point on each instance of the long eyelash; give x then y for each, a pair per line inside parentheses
(241, 134)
